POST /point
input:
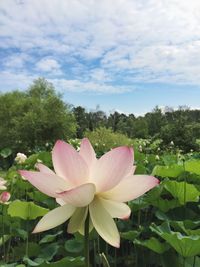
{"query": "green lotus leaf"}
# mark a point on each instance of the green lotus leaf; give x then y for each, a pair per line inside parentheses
(171, 171)
(182, 191)
(26, 210)
(187, 246)
(153, 244)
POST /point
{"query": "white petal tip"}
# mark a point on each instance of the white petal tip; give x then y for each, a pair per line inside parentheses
(125, 218)
(36, 230)
(116, 245)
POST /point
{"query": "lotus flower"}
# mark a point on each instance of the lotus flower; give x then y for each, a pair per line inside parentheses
(2, 184)
(82, 183)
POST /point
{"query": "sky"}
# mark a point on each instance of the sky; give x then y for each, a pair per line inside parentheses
(124, 55)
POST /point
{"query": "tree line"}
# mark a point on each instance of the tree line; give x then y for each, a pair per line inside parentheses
(38, 116)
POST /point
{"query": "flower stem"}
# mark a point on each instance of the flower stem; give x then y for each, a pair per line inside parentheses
(86, 242)
(3, 233)
(185, 183)
(194, 261)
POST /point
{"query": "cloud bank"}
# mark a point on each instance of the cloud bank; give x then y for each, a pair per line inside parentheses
(105, 46)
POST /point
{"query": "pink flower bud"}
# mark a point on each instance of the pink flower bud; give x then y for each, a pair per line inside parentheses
(4, 197)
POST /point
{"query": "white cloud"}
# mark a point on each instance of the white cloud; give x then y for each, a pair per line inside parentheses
(11, 80)
(48, 65)
(16, 61)
(99, 75)
(93, 87)
(105, 41)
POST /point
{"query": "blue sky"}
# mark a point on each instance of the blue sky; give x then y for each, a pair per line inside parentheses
(125, 55)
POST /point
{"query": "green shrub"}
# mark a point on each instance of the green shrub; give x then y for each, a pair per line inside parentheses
(104, 139)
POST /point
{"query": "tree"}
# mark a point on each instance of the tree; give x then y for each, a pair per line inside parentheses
(96, 119)
(82, 120)
(181, 135)
(35, 117)
(155, 121)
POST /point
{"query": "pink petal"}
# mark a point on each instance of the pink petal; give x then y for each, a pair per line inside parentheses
(54, 218)
(103, 223)
(79, 196)
(49, 184)
(112, 167)
(116, 209)
(131, 188)
(69, 164)
(87, 152)
(132, 171)
(42, 168)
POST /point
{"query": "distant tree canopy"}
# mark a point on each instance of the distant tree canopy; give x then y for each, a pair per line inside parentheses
(181, 126)
(32, 118)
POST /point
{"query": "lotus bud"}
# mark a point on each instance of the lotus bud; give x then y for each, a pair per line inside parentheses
(4, 197)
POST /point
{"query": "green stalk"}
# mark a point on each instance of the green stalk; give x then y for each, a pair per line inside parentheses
(86, 242)
(183, 261)
(9, 246)
(27, 226)
(185, 181)
(115, 257)
(94, 253)
(98, 249)
(194, 261)
(139, 216)
(3, 232)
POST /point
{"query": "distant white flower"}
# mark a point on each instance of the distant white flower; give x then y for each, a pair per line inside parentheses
(140, 148)
(172, 143)
(20, 158)
(157, 157)
(2, 184)
(158, 149)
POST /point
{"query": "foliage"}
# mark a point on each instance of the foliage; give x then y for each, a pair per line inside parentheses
(181, 126)
(33, 118)
(104, 139)
(164, 225)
